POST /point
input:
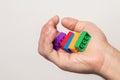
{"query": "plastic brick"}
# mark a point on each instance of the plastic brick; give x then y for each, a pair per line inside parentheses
(83, 41)
(68, 43)
(72, 44)
(65, 39)
(58, 40)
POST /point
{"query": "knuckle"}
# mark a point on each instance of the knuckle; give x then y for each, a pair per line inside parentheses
(48, 32)
(43, 51)
(40, 51)
(71, 26)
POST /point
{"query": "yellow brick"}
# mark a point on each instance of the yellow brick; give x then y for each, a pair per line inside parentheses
(71, 46)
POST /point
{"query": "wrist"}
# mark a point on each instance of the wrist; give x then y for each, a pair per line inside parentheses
(111, 65)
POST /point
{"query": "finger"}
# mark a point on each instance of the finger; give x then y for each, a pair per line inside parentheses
(49, 37)
(46, 30)
(52, 22)
(48, 34)
(73, 24)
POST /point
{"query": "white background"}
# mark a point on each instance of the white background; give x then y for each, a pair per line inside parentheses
(20, 25)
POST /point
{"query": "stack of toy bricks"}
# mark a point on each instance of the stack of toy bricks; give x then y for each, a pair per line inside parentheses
(72, 42)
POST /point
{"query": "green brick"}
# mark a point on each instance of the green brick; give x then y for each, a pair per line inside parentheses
(83, 41)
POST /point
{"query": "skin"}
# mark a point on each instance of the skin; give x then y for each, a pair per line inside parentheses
(98, 58)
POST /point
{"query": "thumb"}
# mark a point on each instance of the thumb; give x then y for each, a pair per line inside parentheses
(73, 24)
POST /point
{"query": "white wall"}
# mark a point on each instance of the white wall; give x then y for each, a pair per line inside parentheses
(20, 25)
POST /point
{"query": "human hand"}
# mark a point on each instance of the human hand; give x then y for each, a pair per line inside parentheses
(93, 60)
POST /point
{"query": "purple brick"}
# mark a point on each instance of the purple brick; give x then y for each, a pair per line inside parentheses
(58, 40)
